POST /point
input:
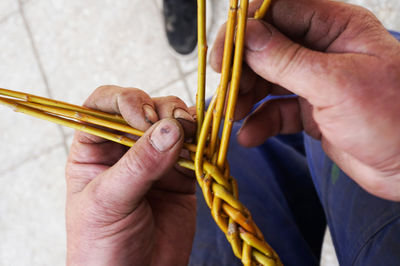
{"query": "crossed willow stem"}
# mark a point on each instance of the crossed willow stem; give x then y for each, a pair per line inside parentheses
(208, 155)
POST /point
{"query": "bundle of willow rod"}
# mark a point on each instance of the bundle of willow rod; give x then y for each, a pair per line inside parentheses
(209, 154)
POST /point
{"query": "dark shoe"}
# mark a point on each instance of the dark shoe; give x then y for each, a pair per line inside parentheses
(180, 21)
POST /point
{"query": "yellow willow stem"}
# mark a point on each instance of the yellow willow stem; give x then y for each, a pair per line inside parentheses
(238, 217)
(262, 10)
(84, 118)
(69, 123)
(223, 193)
(256, 243)
(234, 88)
(216, 214)
(45, 101)
(233, 238)
(122, 127)
(198, 161)
(13, 104)
(225, 73)
(263, 260)
(246, 254)
(202, 62)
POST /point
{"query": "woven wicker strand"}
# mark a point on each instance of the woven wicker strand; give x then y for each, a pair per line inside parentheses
(231, 216)
(208, 154)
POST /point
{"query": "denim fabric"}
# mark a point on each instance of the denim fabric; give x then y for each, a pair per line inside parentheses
(365, 229)
(273, 180)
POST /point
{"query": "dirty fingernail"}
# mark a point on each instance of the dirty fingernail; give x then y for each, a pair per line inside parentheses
(257, 36)
(165, 135)
(149, 114)
(182, 114)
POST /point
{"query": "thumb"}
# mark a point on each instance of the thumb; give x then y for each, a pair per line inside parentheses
(278, 59)
(122, 187)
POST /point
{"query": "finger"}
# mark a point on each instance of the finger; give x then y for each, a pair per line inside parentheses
(173, 107)
(273, 117)
(85, 149)
(135, 106)
(316, 76)
(192, 111)
(293, 18)
(308, 20)
(248, 98)
(217, 50)
(247, 80)
(321, 25)
(261, 89)
(123, 186)
(88, 157)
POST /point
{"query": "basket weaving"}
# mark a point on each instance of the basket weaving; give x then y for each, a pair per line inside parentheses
(208, 154)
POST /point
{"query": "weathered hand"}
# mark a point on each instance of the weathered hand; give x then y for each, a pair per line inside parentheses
(345, 68)
(131, 207)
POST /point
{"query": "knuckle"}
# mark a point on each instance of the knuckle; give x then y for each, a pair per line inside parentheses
(176, 100)
(91, 101)
(100, 90)
(361, 12)
(290, 59)
(127, 93)
(133, 96)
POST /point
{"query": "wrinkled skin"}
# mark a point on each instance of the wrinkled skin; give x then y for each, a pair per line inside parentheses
(133, 207)
(345, 68)
(130, 207)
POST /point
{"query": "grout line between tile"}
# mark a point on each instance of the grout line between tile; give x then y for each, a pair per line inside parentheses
(31, 158)
(40, 65)
(182, 76)
(172, 81)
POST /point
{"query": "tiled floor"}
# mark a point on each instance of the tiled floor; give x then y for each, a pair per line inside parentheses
(64, 49)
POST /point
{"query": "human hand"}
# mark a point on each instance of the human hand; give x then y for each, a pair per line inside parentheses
(131, 206)
(345, 68)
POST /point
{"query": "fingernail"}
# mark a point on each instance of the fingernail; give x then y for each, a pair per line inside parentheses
(182, 114)
(165, 135)
(149, 114)
(257, 35)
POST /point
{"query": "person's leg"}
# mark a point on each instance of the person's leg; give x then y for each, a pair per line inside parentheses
(365, 229)
(273, 179)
